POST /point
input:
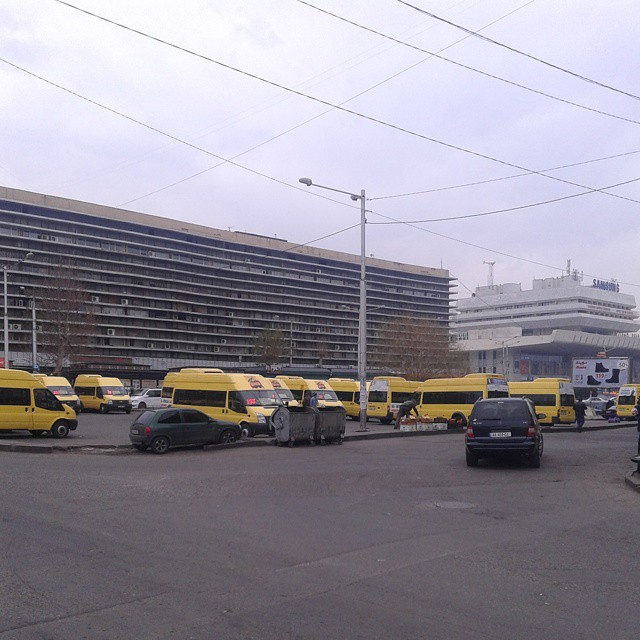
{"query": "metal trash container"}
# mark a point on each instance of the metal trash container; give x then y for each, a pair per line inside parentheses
(293, 424)
(330, 424)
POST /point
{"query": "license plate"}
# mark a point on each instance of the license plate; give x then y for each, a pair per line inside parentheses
(500, 434)
(134, 431)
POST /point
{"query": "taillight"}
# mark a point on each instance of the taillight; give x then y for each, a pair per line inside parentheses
(470, 431)
(531, 433)
(147, 431)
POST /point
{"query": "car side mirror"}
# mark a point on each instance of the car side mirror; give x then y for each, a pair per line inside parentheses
(540, 416)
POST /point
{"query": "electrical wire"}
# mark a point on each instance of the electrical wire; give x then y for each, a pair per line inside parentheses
(315, 99)
(515, 175)
(468, 67)
(519, 52)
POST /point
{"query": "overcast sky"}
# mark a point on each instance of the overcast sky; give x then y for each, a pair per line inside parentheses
(415, 123)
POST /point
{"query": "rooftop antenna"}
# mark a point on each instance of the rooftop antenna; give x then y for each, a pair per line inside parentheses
(490, 276)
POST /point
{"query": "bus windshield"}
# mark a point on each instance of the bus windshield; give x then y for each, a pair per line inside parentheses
(62, 391)
(285, 395)
(114, 391)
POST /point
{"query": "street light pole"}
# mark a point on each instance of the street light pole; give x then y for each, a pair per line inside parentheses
(5, 269)
(362, 315)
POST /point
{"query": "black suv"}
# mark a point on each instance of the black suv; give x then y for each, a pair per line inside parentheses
(504, 426)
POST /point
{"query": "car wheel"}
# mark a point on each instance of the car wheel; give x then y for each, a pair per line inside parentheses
(103, 408)
(60, 429)
(472, 458)
(228, 436)
(80, 408)
(160, 445)
(246, 430)
(142, 405)
(140, 447)
(541, 446)
(461, 421)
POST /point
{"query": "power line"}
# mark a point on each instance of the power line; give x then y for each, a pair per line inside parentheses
(515, 175)
(509, 209)
(466, 66)
(519, 52)
(315, 99)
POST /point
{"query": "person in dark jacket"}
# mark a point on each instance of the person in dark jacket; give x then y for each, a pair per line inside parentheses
(636, 412)
(581, 409)
(405, 409)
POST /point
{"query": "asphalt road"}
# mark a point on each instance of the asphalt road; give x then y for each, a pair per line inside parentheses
(392, 538)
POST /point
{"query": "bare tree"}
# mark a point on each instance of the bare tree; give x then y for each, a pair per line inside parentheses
(67, 317)
(418, 349)
(270, 347)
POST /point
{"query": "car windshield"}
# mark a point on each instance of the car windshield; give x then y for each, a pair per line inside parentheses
(326, 396)
(62, 391)
(260, 398)
(114, 391)
(500, 412)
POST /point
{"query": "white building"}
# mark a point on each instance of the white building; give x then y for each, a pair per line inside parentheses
(537, 332)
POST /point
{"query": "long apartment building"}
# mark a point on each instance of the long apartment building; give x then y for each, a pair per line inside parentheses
(167, 293)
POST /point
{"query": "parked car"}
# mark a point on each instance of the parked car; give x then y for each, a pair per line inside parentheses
(159, 430)
(597, 403)
(146, 399)
(504, 426)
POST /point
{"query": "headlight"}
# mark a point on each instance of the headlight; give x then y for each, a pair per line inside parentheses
(261, 418)
(109, 401)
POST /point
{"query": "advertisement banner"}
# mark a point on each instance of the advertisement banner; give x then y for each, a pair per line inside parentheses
(600, 373)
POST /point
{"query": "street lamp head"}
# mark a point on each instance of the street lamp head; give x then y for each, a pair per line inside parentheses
(29, 255)
(354, 197)
(306, 181)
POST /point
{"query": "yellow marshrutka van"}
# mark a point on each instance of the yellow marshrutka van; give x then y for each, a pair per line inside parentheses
(386, 394)
(552, 396)
(61, 389)
(97, 393)
(300, 387)
(348, 392)
(25, 403)
(245, 399)
(627, 397)
(284, 393)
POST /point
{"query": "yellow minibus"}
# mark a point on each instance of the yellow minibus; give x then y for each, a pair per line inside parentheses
(284, 393)
(98, 393)
(301, 387)
(61, 389)
(348, 392)
(386, 394)
(554, 397)
(627, 398)
(453, 398)
(245, 399)
(26, 404)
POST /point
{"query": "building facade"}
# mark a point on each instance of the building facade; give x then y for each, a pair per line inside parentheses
(537, 332)
(167, 294)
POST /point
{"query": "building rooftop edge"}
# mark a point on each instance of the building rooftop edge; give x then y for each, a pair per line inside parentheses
(78, 206)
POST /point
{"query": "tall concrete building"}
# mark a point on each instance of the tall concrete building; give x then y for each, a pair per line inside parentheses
(168, 293)
(537, 332)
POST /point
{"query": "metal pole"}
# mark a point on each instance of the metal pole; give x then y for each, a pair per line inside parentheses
(34, 343)
(6, 320)
(362, 319)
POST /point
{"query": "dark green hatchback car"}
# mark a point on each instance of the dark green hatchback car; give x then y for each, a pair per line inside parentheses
(162, 429)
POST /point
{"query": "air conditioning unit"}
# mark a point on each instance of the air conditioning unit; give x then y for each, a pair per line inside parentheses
(20, 302)
(15, 327)
(223, 341)
(124, 301)
(111, 332)
(151, 345)
(230, 314)
(216, 349)
(95, 298)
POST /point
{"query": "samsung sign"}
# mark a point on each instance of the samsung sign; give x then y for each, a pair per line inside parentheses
(606, 285)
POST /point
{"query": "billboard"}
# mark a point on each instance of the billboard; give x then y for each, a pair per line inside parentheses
(600, 373)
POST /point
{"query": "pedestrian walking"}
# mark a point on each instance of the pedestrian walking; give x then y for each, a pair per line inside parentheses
(636, 412)
(581, 409)
(313, 400)
(405, 409)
